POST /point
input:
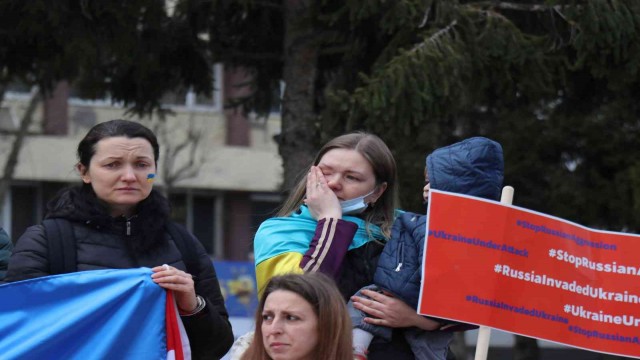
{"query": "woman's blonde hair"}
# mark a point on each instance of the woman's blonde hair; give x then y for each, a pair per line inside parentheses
(334, 323)
(381, 160)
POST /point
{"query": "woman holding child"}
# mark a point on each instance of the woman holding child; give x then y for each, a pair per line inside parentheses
(336, 221)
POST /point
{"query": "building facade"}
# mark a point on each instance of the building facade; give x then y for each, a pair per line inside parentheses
(220, 168)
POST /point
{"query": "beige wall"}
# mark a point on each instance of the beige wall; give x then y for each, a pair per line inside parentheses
(231, 176)
(257, 167)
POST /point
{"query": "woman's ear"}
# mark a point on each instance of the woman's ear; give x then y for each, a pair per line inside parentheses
(378, 191)
(84, 175)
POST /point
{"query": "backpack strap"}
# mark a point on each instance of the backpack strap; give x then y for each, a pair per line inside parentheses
(184, 242)
(62, 246)
(63, 252)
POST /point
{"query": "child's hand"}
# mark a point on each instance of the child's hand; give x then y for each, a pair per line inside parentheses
(321, 200)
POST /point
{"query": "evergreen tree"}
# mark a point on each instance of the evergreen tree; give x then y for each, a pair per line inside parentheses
(554, 81)
(132, 51)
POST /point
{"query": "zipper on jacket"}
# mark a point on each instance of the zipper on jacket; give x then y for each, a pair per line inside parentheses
(128, 223)
(400, 256)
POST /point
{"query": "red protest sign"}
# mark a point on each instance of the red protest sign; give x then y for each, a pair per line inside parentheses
(521, 271)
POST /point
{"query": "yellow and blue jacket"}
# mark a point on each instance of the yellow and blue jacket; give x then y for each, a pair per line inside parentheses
(298, 243)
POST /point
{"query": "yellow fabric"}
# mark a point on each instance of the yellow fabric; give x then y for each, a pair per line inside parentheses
(286, 263)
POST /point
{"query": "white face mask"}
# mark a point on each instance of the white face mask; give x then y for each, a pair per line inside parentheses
(355, 206)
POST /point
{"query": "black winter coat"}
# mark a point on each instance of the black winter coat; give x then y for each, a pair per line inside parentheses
(6, 247)
(102, 243)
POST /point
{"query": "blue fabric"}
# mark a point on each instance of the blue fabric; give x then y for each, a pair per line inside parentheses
(294, 233)
(399, 268)
(101, 314)
(6, 248)
(473, 167)
(428, 345)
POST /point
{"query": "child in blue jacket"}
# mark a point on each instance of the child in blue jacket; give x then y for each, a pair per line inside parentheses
(473, 167)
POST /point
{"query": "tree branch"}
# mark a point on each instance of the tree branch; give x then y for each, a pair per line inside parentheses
(12, 158)
(517, 6)
(434, 38)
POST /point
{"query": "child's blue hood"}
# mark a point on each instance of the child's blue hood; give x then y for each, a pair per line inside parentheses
(474, 166)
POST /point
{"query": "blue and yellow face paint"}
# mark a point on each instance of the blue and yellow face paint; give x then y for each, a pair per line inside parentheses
(150, 178)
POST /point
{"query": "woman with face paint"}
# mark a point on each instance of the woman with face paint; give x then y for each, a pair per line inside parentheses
(336, 221)
(119, 221)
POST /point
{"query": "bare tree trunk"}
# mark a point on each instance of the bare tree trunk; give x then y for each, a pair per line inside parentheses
(237, 86)
(12, 159)
(525, 348)
(297, 142)
(181, 156)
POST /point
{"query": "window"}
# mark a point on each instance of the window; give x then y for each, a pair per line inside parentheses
(29, 204)
(204, 221)
(188, 99)
(197, 213)
(264, 206)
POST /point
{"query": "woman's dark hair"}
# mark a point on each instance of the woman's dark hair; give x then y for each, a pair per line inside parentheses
(82, 203)
(115, 128)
